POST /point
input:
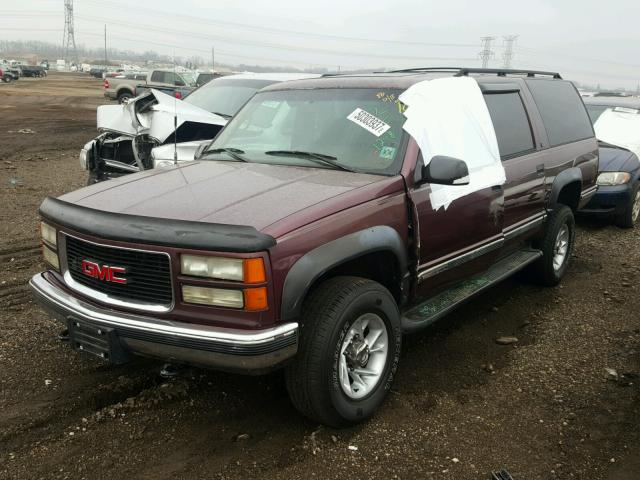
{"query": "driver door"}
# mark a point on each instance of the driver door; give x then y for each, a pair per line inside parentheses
(454, 243)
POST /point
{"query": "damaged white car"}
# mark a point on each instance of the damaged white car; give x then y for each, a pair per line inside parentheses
(155, 129)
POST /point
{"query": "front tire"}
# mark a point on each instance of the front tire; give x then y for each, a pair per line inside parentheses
(349, 351)
(629, 216)
(556, 246)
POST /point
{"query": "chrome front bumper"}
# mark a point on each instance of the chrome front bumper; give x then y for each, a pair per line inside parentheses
(242, 351)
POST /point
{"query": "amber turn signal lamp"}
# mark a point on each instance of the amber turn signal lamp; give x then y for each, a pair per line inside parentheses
(255, 299)
(254, 270)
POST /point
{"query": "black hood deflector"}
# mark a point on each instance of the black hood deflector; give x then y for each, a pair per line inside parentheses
(155, 231)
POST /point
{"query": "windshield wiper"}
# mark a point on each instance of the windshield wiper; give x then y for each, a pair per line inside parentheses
(234, 153)
(223, 115)
(314, 157)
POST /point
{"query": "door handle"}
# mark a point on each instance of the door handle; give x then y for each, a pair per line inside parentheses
(540, 168)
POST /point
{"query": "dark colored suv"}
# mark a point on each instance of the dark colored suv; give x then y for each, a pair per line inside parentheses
(301, 240)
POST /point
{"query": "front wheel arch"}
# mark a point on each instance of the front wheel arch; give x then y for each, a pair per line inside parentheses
(332, 258)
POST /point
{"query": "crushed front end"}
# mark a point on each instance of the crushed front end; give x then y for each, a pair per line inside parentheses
(129, 133)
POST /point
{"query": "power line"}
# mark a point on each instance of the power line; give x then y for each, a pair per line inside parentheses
(533, 51)
(279, 31)
(277, 46)
(204, 50)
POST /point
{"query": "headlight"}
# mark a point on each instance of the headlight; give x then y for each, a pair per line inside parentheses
(212, 267)
(49, 234)
(218, 297)
(49, 245)
(50, 257)
(83, 158)
(249, 270)
(613, 178)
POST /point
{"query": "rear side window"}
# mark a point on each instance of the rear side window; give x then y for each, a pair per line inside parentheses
(563, 113)
(157, 77)
(511, 123)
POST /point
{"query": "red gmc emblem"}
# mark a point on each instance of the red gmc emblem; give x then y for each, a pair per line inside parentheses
(105, 273)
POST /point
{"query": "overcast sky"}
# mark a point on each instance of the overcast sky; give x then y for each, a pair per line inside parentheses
(595, 42)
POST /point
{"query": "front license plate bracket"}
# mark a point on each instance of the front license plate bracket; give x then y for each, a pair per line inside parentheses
(102, 342)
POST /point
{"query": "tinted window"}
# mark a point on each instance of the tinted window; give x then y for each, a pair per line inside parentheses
(510, 122)
(172, 78)
(157, 77)
(563, 113)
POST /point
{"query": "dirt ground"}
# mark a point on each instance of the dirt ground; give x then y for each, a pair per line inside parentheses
(461, 406)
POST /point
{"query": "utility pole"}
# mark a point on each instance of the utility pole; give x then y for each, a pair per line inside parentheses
(69, 39)
(486, 53)
(105, 45)
(213, 60)
(507, 56)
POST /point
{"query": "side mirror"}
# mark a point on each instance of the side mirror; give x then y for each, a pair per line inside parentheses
(179, 83)
(443, 170)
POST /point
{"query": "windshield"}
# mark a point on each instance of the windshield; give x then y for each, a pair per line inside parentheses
(225, 95)
(189, 78)
(352, 129)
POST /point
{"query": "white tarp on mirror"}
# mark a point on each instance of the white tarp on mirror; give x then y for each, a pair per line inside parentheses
(619, 128)
(448, 116)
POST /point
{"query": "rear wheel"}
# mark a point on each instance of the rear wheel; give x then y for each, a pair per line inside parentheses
(556, 246)
(629, 216)
(348, 352)
(124, 97)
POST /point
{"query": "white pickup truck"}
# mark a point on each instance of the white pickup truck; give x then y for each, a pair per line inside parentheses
(129, 85)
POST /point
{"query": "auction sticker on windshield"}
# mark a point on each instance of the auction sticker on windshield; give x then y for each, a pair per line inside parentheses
(369, 122)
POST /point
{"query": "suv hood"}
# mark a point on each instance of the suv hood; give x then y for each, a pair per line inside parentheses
(152, 113)
(617, 159)
(256, 195)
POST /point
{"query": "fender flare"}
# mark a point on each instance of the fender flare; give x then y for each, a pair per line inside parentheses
(564, 178)
(313, 264)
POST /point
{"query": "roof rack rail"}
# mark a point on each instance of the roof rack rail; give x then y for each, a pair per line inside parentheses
(463, 71)
(503, 72)
(425, 69)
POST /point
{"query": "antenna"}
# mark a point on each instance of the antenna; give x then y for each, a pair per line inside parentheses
(68, 38)
(175, 115)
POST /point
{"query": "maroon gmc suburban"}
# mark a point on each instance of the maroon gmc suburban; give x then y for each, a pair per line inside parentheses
(303, 237)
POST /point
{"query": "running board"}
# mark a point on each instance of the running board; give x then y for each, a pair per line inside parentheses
(424, 314)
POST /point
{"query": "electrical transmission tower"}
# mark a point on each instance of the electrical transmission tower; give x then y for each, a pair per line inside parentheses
(486, 53)
(68, 39)
(507, 56)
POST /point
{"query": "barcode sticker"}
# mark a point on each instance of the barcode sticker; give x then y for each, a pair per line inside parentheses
(369, 122)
